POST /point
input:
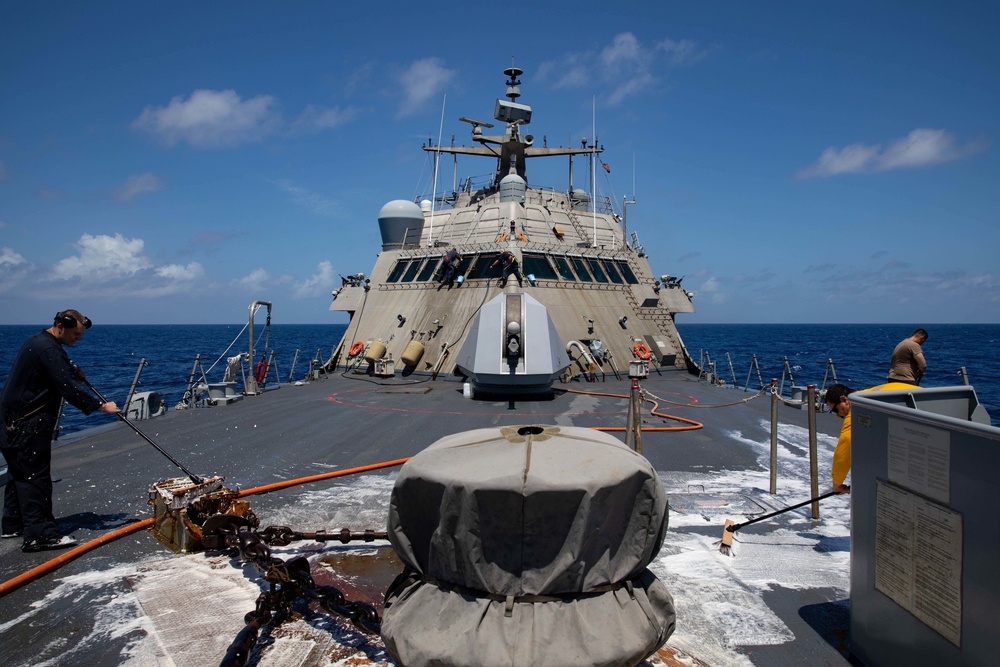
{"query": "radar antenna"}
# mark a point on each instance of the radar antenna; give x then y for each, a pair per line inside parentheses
(476, 123)
(513, 92)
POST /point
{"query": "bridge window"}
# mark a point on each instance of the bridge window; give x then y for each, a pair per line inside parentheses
(595, 266)
(581, 269)
(411, 271)
(537, 265)
(429, 267)
(562, 266)
(628, 273)
(609, 266)
(481, 267)
(397, 271)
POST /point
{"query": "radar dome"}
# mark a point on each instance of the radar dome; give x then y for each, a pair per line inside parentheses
(400, 221)
(512, 188)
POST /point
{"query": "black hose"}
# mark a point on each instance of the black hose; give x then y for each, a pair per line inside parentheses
(194, 478)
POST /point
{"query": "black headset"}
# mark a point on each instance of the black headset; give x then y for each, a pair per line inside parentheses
(70, 322)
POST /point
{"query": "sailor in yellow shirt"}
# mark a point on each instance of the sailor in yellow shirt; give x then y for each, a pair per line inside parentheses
(839, 402)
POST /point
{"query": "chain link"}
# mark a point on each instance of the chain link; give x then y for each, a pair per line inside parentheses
(289, 581)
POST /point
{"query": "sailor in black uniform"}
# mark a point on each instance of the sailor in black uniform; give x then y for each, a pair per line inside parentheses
(42, 375)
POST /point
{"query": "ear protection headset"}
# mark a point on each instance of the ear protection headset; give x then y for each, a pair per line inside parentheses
(70, 322)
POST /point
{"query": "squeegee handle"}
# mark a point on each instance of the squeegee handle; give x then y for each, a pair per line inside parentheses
(194, 478)
(736, 526)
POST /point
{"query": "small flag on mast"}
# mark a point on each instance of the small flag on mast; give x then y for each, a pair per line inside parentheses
(606, 167)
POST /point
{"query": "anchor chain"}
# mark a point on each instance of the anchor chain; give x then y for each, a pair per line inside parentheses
(289, 580)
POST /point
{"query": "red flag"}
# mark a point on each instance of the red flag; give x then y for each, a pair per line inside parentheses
(606, 167)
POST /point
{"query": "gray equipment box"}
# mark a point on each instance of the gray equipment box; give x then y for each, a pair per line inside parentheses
(925, 529)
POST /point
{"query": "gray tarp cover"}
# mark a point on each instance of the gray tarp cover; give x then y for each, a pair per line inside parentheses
(488, 518)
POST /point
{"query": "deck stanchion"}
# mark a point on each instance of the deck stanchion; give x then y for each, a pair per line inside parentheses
(135, 381)
(732, 371)
(813, 462)
(774, 436)
(754, 366)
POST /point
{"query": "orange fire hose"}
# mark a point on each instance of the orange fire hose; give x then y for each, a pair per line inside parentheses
(692, 425)
(14, 583)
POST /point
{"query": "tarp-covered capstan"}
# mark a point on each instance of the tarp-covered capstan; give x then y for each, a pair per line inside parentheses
(527, 545)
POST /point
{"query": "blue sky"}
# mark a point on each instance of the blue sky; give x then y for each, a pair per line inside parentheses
(794, 161)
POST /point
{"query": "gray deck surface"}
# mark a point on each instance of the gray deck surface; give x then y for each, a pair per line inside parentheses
(337, 422)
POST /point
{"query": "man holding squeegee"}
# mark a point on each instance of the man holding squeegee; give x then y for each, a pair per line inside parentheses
(838, 399)
(41, 376)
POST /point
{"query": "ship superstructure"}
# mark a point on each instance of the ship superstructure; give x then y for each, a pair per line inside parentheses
(597, 285)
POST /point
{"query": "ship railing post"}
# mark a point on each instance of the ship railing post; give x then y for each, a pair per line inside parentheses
(630, 420)
(965, 376)
(787, 370)
(636, 416)
(295, 357)
(754, 366)
(774, 436)
(272, 364)
(732, 371)
(813, 458)
(135, 381)
(830, 371)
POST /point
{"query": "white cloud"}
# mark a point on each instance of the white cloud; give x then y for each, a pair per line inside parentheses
(13, 267)
(681, 52)
(312, 201)
(10, 258)
(920, 148)
(102, 257)
(210, 119)
(626, 66)
(119, 268)
(255, 281)
(189, 272)
(317, 119)
(571, 72)
(316, 285)
(624, 51)
(421, 81)
(138, 185)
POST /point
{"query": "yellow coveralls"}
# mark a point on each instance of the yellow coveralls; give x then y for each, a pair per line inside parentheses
(842, 455)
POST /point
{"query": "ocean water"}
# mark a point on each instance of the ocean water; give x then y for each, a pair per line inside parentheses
(110, 355)
(860, 354)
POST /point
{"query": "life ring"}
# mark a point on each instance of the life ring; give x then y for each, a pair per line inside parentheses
(261, 373)
(640, 350)
(357, 348)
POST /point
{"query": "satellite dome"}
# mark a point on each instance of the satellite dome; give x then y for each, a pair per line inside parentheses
(400, 220)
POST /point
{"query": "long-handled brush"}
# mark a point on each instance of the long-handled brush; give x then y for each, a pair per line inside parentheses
(726, 547)
(194, 478)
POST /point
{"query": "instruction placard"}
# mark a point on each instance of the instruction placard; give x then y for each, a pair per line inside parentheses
(920, 458)
(918, 558)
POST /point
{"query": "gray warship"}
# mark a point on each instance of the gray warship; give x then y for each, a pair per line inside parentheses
(455, 372)
(576, 255)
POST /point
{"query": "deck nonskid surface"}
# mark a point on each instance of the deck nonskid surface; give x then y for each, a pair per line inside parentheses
(780, 600)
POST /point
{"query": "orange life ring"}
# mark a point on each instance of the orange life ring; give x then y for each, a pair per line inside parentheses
(261, 373)
(357, 348)
(640, 350)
